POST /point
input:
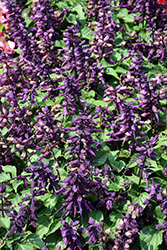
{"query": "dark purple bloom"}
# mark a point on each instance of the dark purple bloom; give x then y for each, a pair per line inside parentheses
(71, 235)
(92, 230)
(42, 177)
(75, 190)
(18, 220)
(127, 232)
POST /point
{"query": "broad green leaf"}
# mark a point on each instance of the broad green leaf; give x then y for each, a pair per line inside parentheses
(115, 164)
(5, 222)
(4, 131)
(113, 187)
(53, 240)
(97, 215)
(59, 43)
(122, 13)
(55, 226)
(120, 70)
(51, 201)
(158, 214)
(4, 177)
(111, 71)
(72, 18)
(100, 158)
(78, 8)
(139, 198)
(150, 238)
(86, 32)
(35, 240)
(114, 218)
(43, 225)
(10, 169)
(24, 246)
(62, 4)
(105, 64)
(16, 183)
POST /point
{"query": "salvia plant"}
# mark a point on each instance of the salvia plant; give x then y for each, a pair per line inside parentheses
(83, 124)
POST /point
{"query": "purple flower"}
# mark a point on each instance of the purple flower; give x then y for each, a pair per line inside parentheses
(43, 177)
(71, 234)
(127, 231)
(18, 220)
(92, 230)
(75, 190)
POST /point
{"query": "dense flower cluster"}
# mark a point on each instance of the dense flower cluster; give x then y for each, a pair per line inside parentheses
(83, 110)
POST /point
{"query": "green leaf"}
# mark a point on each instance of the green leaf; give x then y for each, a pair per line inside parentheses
(113, 187)
(111, 71)
(59, 43)
(100, 159)
(158, 214)
(43, 225)
(35, 240)
(114, 218)
(4, 131)
(55, 226)
(115, 164)
(72, 18)
(62, 4)
(16, 183)
(120, 70)
(97, 215)
(50, 201)
(78, 8)
(123, 14)
(150, 238)
(86, 32)
(4, 177)
(24, 246)
(54, 240)
(10, 169)
(5, 222)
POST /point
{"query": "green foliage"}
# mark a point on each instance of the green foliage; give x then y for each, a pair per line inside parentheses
(150, 238)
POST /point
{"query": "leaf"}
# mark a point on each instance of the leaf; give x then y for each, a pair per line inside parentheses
(111, 71)
(55, 226)
(113, 187)
(50, 201)
(86, 32)
(123, 14)
(100, 159)
(35, 240)
(4, 177)
(72, 18)
(16, 183)
(158, 214)
(43, 225)
(120, 70)
(10, 169)
(150, 238)
(114, 218)
(5, 222)
(78, 8)
(115, 164)
(97, 215)
(58, 43)
(24, 246)
(4, 131)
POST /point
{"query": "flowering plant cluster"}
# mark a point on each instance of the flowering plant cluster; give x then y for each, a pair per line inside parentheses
(83, 124)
